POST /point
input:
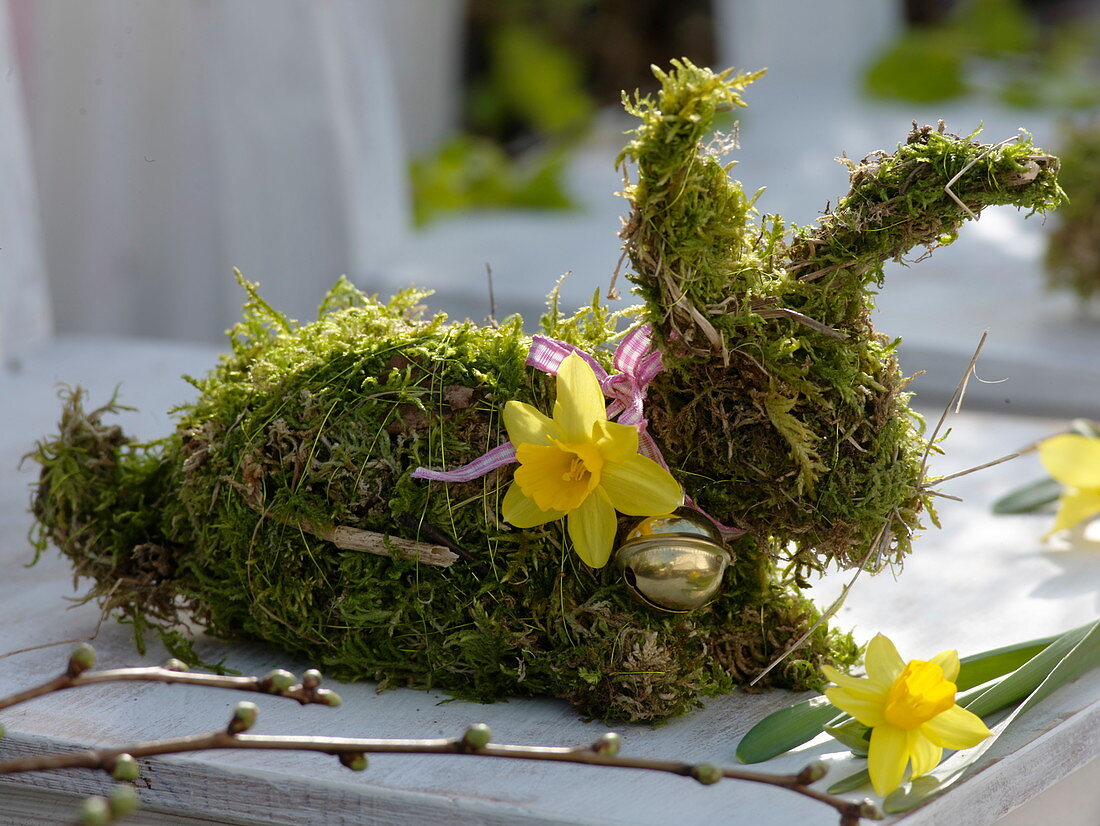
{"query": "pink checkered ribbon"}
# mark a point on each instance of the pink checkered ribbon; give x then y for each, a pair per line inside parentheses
(637, 362)
(499, 456)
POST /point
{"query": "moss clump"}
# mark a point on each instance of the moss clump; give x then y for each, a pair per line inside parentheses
(779, 410)
(301, 429)
(780, 403)
(1073, 249)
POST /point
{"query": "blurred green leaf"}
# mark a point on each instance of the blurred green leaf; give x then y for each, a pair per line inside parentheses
(475, 173)
(922, 66)
(995, 27)
(538, 81)
(1030, 497)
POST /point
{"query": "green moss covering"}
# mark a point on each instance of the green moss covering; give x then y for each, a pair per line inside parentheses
(780, 411)
(781, 405)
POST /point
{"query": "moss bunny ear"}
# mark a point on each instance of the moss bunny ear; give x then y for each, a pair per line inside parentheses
(779, 399)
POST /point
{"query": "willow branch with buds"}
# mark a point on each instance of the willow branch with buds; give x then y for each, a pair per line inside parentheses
(121, 762)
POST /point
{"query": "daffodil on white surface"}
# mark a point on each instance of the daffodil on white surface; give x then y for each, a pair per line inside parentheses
(579, 466)
(910, 709)
(1073, 460)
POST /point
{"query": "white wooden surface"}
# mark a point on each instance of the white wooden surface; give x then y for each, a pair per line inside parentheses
(980, 582)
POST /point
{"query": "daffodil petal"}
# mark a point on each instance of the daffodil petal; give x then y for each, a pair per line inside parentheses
(867, 711)
(948, 661)
(883, 662)
(592, 529)
(858, 686)
(638, 486)
(956, 728)
(526, 425)
(616, 441)
(887, 757)
(520, 510)
(924, 754)
(580, 402)
(1072, 459)
(1075, 507)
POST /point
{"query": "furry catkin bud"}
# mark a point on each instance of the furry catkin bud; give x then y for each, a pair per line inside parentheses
(608, 744)
(82, 659)
(311, 679)
(123, 801)
(707, 773)
(870, 810)
(328, 698)
(244, 717)
(477, 736)
(95, 811)
(354, 760)
(277, 681)
(124, 767)
(813, 772)
(175, 665)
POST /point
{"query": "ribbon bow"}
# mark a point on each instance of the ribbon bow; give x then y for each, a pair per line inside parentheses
(637, 362)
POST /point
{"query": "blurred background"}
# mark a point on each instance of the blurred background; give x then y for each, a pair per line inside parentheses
(148, 148)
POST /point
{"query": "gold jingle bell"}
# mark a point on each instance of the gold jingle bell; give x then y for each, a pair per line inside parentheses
(674, 562)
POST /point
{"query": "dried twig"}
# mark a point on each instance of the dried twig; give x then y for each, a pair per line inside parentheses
(951, 193)
(881, 540)
(492, 319)
(954, 402)
(974, 469)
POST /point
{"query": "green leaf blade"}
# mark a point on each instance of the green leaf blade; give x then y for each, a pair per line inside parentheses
(981, 668)
(1025, 679)
(853, 735)
(853, 781)
(786, 729)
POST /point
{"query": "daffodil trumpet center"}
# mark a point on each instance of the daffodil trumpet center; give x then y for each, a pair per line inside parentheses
(919, 693)
(559, 476)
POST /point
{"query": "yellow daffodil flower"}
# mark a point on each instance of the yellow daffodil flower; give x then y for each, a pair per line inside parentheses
(581, 466)
(1074, 460)
(910, 709)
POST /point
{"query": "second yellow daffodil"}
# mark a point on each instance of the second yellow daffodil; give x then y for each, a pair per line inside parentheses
(580, 466)
(910, 709)
(1074, 460)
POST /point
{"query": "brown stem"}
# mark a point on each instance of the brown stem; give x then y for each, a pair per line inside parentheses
(589, 756)
(604, 752)
(157, 674)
